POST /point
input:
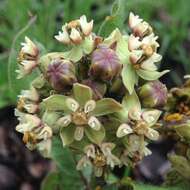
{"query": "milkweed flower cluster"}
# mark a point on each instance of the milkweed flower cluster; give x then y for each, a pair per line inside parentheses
(76, 96)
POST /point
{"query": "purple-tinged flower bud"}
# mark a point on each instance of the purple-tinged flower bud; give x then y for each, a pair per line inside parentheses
(153, 94)
(105, 64)
(61, 74)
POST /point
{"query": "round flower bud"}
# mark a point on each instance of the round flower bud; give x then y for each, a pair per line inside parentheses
(153, 94)
(61, 74)
(105, 64)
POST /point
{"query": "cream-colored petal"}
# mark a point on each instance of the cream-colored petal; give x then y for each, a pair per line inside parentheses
(89, 106)
(94, 123)
(89, 150)
(64, 121)
(72, 104)
(133, 42)
(79, 133)
(123, 130)
(63, 36)
(152, 134)
(107, 148)
(135, 113)
(98, 171)
(135, 55)
(75, 36)
(85, 26)
(134, 20)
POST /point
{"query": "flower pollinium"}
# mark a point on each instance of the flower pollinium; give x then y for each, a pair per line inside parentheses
(142, 44)
(28, 57)
(75, 31)
(153, 94)
(61, 74)
(105, 64)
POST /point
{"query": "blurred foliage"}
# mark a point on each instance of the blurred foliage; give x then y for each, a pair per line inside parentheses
(170, 19)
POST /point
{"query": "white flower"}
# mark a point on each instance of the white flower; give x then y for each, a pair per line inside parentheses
(75, 31)
(80, 116)
(142, 123)
(28, 58)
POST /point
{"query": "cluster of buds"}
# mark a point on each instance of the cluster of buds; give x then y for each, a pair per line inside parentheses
(28, 58)
(72, 99)
(142, 44)
(75, 31)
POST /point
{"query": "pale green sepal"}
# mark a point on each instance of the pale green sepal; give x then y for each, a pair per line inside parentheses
(106, 106)
(129, 77)
(95, 136)
(82, 93)
(150, 75)
(67, 134)
(55, 103)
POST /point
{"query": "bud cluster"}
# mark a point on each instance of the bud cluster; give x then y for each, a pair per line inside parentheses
(77, 98)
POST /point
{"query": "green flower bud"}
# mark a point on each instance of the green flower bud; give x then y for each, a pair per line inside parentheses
(61, 74)
(105, 64)
(153, 94)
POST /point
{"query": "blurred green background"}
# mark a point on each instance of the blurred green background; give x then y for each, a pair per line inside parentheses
(41, 20)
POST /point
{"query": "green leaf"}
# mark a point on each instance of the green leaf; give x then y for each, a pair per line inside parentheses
(51, 181)
(67, 134)
(106, 106)
(55, 103)
(150, 75)
(82, 93)
(65, 161)
(129, 77)
(95, 136)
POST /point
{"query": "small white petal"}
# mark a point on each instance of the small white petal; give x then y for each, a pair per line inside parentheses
(151, 116)
(79, 133)
(89, 106)
(64, 121)
(152, 134)
(135, 114)
(75, 36)
(147, 151)
(148, 65)
(98, 171)
(123, 130)
(134, 20)
(94, 123)
(107, 148)
(89, 150)
(85, 26)
(63, 36)
(72, 104)
(133, 42)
